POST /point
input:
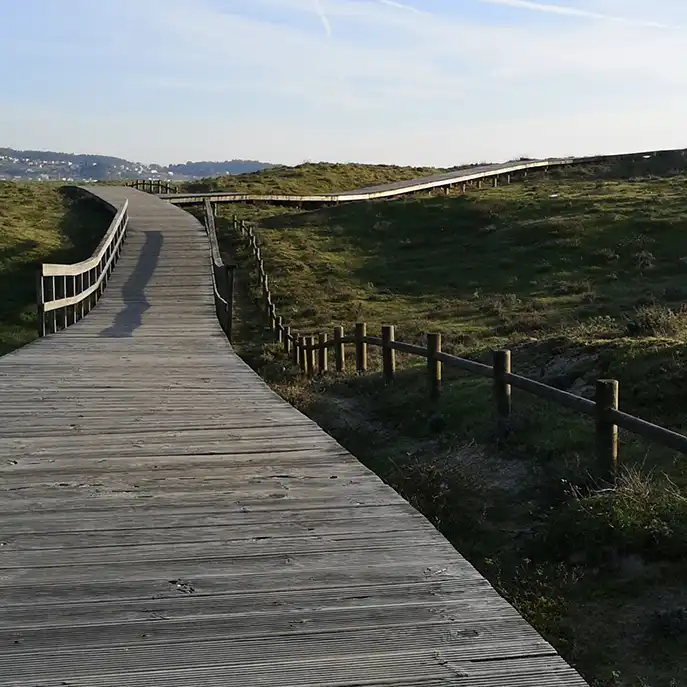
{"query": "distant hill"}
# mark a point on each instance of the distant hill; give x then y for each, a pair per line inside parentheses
(48, 165)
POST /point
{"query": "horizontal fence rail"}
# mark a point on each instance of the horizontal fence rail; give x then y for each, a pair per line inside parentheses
(311, 354)
(222, 274)
(66, 293)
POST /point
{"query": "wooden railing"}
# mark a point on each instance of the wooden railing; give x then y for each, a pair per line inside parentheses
(222, 275)
(310, 354)
(65, 293)
(156, 186)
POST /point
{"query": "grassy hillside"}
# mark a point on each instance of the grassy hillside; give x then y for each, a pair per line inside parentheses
(581, 278)
(39, 222)
(311, 178)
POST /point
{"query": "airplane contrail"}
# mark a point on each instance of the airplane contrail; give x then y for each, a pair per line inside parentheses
(319, 10)
(573, 12)
(400, 6)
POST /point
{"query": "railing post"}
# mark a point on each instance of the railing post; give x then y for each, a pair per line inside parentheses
(339, 349)
(388, 353)
(229, 296)
(40, 301)
(322, 357)
(606, 432)
(64, 311)
(434, 365)
(360, 347)
(296, 353)
(502, 390)
(272, 310)
(287, 340)
(78, 288)
(86, 282)
(302, 362)
(279, 330)
(268, 306)
(310, 357)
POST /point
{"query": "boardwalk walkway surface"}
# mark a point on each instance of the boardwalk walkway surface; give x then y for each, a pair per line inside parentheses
(167, 520)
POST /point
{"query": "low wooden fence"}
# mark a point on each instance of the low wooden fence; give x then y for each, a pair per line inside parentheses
(310, 353)
(65, 293)
(156, 186)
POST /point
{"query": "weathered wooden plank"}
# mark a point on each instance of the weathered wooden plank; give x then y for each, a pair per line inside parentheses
(200, 532)
(456, 595)
(214, 580)
(173, 517)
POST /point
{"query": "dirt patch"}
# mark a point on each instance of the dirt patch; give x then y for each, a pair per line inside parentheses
(493, 471)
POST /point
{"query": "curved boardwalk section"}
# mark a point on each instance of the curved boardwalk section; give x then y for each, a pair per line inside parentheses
(394, 189)
(167, 520)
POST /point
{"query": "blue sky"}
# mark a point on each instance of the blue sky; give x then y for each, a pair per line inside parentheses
(437, 82)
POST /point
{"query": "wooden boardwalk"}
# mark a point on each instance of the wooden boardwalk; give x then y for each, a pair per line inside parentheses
(167, 520)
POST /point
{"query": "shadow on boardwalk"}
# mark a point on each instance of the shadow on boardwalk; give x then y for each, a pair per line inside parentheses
(133, 292)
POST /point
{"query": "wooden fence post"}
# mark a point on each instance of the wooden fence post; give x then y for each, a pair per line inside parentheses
(606, 432)
(296, 352)
(267, 298)
(272, 309)
(229, 272)
(279, 330)
(322, 359)
(388, 353)
(339, 349)
(434, 365)
(502, 390)
(287, 339)
(360, 347)
(301, 353)
(40, 298)
(310, 357)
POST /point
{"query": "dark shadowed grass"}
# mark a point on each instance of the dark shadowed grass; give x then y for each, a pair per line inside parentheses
(582, 278)
(39, 222)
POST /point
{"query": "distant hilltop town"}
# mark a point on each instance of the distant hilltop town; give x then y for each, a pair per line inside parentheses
(45, 165)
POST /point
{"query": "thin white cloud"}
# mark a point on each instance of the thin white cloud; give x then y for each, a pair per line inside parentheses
(573, 12)
(319, 10)
(400, 6)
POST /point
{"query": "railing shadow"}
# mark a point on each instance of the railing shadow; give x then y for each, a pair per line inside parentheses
(133, 292)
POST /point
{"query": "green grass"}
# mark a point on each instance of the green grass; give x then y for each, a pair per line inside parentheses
(310, 178)
(582, 278)
(39, 222)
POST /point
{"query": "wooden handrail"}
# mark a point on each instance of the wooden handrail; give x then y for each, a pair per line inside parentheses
(66, 293)
(59, 270)
(155, 186)
(603, 407)
(222, 275)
